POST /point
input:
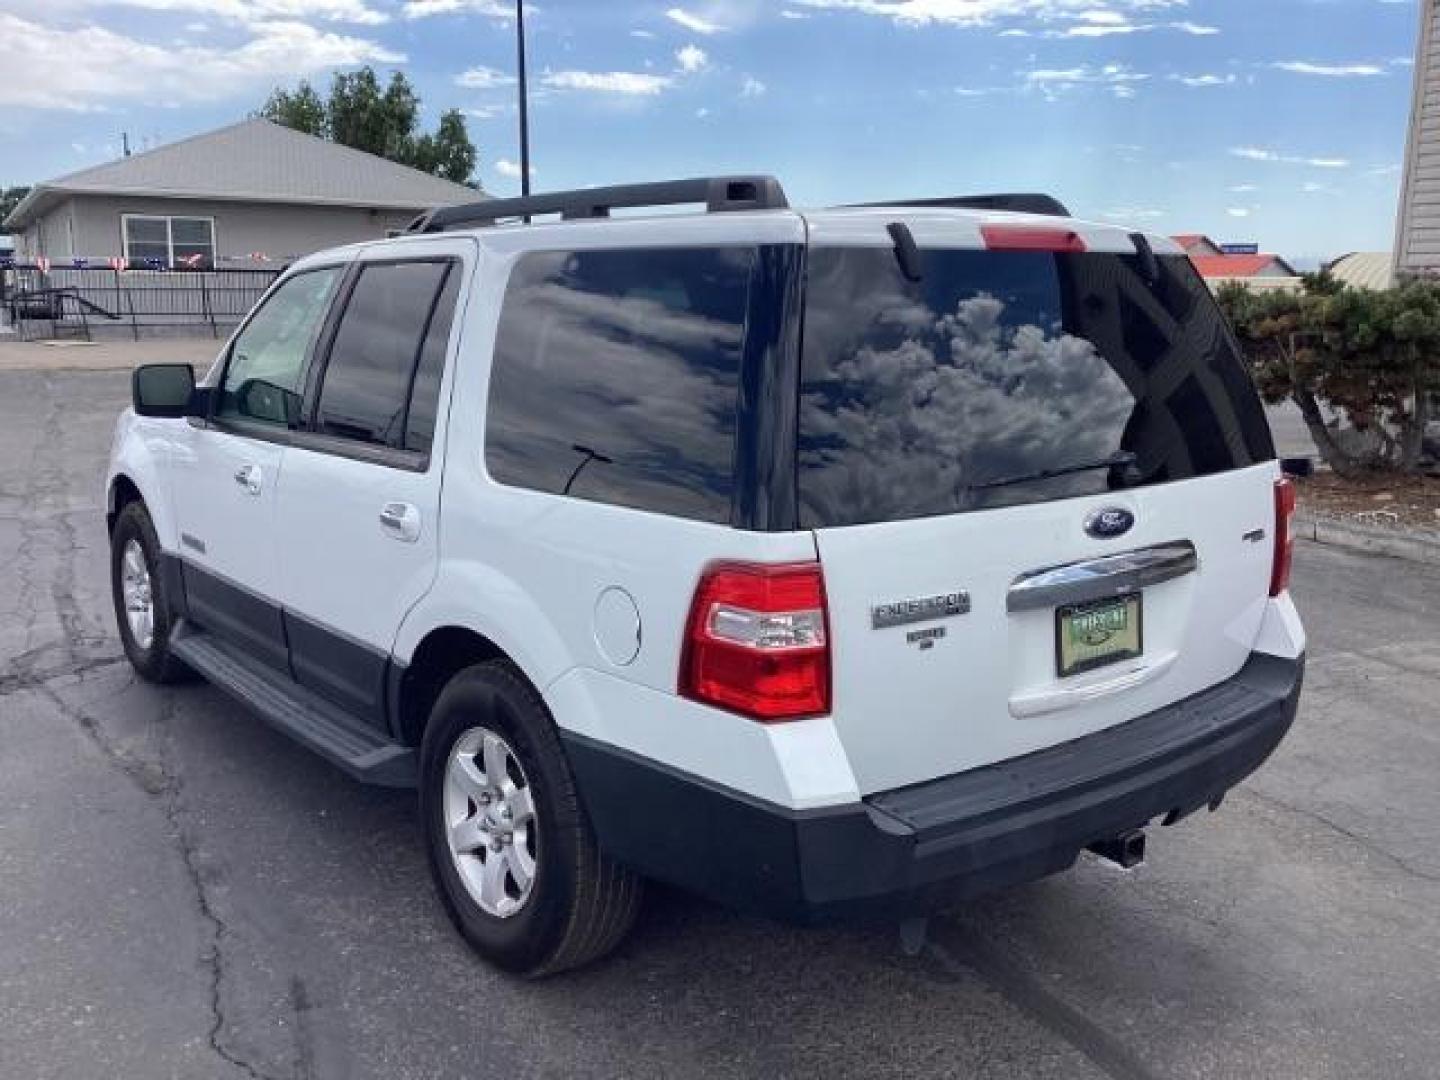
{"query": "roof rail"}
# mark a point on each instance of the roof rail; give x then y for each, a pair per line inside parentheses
(1047, 205)
(717, 193)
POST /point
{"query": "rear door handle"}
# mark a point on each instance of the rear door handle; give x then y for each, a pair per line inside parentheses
(251, 478)
(400, 521)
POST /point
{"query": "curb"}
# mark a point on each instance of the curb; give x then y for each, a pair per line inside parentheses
(1412, 546)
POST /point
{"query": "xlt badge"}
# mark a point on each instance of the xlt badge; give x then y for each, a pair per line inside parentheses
(922, 609)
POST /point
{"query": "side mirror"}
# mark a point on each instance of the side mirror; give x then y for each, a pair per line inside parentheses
(162, 390)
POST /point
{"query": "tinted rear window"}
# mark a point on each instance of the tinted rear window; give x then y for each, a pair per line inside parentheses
(616, 377)
(953, 393)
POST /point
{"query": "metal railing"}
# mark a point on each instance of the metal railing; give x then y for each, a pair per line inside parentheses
(43, 301)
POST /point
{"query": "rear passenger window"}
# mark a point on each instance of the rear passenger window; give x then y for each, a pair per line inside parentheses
(379, 346)
(616, 377)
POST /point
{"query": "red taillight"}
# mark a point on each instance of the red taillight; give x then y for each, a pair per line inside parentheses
(1029, 238)
(1284, 535)
(757, 641)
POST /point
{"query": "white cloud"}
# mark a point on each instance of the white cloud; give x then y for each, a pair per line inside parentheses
(256, 11)
(1053, 82)
(1238, 212)
(643, 35)
(980, 12)
(1128, 213)
(423, 9)
(1204, 80)
(1331, 71)
(511, 169)
(691, 21)
(484, 78)
(691, 58)
(752, 87)
(790, 14)
(623, 83)
(1101, 23)
(123, 69)
(1256, 153)
(1091, 18)
(1242, 189)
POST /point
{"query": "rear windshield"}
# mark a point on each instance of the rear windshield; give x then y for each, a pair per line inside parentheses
(1003, 378)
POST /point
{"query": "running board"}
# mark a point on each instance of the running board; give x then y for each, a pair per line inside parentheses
(284, 704)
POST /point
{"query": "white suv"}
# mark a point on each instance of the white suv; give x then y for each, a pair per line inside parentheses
(829, 563)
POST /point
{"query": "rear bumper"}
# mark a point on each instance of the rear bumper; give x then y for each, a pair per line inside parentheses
(921, 847)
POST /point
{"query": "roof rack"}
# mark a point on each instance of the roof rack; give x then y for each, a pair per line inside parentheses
(1047, 205)
(717, 193)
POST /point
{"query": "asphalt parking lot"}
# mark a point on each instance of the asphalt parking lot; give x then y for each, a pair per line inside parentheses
(187, 894)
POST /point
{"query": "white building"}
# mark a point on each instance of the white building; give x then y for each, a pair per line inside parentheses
(1417, 242)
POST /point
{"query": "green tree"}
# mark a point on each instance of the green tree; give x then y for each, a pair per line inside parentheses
(382, 121)
(1373, 355)
(399, 117)
(301, 109)
(449, 152)
(10, 198)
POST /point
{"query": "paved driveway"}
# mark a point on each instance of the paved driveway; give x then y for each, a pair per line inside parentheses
(185, 893)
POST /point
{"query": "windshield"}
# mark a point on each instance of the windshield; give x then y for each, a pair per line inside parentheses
(1002, 378)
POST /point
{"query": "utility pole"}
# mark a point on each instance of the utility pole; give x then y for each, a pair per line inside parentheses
(524, 99)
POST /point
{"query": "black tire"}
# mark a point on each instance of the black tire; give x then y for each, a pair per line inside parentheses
(581, 904)
(154, 663)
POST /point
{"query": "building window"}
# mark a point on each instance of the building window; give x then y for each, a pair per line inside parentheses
(176, 242)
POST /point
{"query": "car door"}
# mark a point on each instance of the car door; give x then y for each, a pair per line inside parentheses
(226, 468)
(359, 500)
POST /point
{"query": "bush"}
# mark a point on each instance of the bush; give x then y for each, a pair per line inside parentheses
(1373, 355)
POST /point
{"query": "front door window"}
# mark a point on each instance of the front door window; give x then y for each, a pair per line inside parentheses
(263, 380)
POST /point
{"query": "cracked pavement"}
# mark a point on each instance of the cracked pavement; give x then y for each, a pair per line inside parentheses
(186, 894)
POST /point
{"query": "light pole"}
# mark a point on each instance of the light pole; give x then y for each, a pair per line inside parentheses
(524, 99)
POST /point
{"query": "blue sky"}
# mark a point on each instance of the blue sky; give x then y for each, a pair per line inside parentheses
(1277, 121)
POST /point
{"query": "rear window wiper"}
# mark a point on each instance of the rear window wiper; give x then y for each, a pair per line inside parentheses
(1115, 461)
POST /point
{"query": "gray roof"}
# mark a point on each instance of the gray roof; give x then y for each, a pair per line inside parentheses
(254, 161)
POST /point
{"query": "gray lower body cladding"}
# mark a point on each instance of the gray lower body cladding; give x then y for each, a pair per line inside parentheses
(921, 847)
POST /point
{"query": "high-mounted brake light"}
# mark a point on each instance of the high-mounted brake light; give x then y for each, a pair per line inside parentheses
(757, 643)
(1284, 535)
(1030, 238)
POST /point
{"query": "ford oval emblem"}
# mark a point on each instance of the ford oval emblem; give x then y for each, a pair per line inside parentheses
(1109, 523)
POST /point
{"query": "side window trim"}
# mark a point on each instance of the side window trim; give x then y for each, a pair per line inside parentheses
(265, 432)
(420, 347)
(324, 342)
(316, 440)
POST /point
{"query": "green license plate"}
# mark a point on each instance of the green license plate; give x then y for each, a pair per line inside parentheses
(1097, 633)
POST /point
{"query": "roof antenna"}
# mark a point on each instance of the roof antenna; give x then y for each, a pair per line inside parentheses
(907, 253)
(524, 101)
